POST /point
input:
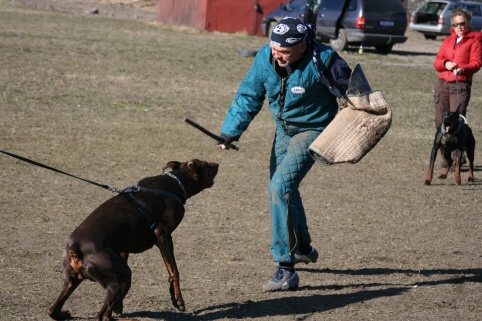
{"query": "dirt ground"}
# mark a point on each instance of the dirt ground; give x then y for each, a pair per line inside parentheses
(390, 247)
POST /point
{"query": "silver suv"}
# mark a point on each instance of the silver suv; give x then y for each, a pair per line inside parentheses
(433, 18)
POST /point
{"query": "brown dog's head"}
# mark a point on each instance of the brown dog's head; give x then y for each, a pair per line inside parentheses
(450, 121)
(199, 170)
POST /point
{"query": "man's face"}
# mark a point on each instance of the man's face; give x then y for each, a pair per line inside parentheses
(286, 56)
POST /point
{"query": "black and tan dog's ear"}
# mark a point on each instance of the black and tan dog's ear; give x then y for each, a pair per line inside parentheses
(173, 165)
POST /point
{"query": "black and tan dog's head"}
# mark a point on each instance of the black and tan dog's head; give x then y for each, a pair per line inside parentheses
(450, 121)
(199, 170)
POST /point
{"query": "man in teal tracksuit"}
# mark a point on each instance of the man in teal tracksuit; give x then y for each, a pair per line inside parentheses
(302, 80)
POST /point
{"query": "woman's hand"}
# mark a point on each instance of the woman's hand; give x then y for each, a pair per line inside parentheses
(450, 65)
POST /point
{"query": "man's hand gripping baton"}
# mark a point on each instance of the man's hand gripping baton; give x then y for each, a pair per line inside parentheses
(207, 132)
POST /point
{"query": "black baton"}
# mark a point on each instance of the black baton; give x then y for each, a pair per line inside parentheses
(207, 132)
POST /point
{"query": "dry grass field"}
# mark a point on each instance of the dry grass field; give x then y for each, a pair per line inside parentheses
(103, 97)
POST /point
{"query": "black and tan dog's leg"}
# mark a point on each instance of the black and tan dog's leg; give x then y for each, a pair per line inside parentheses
(446, 170)
(458, 164)
(470, 156)
(433, 157)
(447, 154)
(167, 250)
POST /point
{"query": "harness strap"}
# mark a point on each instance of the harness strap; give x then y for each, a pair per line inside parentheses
(142, 209)
(160, 192)
(129, 194)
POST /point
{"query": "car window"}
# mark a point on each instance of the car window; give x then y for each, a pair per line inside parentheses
(435, 8)
(475, 9)
(383, 6)
(328, 5)
(296, 5)
(453, 7)
(351, 5)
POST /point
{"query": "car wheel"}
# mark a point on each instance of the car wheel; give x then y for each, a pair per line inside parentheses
(271, 26)
(340, 43)
(429, 37)
(384, 50)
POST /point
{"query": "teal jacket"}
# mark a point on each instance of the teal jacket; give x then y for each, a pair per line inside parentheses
(299, 101)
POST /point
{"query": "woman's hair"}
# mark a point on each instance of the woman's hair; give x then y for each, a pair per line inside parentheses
(462, 12)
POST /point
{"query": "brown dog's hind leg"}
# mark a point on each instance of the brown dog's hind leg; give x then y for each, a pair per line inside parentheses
(119, 309)
(55, 311)
(115, 293)
(110, 270)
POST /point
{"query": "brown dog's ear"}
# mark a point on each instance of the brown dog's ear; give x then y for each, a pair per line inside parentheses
(173, 165)
(191, 169)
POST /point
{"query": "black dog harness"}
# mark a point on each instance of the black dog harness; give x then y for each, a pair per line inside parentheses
(131, 190)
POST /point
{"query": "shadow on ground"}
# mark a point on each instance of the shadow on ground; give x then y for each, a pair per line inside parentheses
(296, 305)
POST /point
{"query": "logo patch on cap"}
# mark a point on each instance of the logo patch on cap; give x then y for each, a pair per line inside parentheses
(293, 40)
(301, 28)
(281, 29)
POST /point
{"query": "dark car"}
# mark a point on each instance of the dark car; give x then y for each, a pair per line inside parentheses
(344, 23)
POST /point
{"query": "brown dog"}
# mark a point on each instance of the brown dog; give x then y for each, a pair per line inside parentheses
(98, 248)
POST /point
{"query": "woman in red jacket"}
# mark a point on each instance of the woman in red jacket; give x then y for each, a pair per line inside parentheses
(458, 59)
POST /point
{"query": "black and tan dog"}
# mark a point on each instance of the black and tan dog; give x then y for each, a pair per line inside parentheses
(98, 248)
(454, 134)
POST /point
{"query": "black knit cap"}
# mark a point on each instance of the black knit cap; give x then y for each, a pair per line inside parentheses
(288, 32)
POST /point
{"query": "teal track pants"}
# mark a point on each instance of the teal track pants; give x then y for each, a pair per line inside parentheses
(289, 164)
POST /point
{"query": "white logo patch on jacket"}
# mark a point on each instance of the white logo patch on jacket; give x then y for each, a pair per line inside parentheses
(298, 90)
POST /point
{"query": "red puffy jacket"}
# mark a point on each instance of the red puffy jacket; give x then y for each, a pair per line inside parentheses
(466, 54)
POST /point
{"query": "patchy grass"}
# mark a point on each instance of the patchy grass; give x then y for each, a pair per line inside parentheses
(104, 98)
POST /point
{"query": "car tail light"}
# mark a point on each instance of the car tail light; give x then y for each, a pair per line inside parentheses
(441, 20)
(412, 18)
(360, 22)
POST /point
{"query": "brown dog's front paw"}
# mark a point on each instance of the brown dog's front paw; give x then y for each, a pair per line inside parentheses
(61, 315)
(428, 182)
(178, 303)
(471, 179)
(443, 176)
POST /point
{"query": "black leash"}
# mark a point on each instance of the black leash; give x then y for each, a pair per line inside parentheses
(128, 192)
(113, 189)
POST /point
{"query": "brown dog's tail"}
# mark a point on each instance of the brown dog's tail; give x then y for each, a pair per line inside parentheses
(75, 262)
(76, 259)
